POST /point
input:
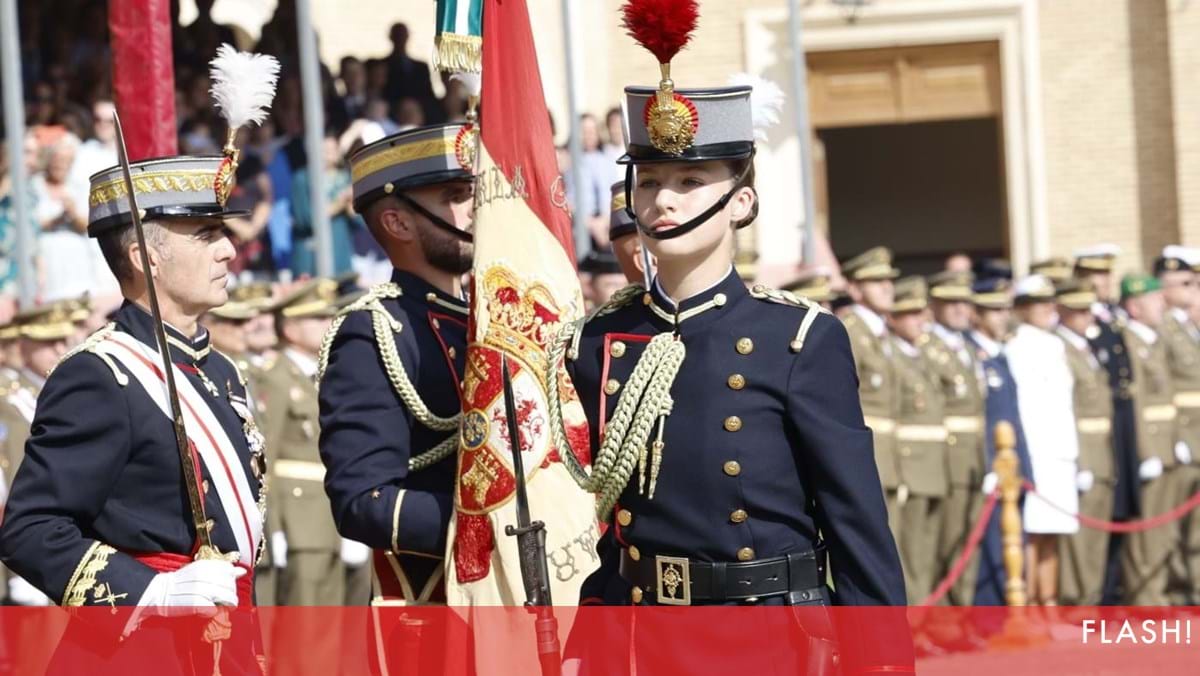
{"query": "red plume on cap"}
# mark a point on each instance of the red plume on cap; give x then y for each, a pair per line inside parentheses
(662, 26)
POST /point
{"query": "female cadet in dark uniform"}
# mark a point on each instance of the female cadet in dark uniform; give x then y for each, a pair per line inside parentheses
(729, 450)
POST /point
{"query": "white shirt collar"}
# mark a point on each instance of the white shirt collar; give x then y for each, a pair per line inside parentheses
(1147, 334)
(33, 377)
(1077, 341)
(953, 339)
(1181, 316)
(673, 302)
(874, 322)
(907, 347)
(991, 347)
(306, 364)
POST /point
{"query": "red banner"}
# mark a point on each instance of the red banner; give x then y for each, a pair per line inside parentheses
(143, 74)
(525, 290)
(1060, 641)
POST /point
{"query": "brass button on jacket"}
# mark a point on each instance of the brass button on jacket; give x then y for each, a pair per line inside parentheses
(635, 594)
(733, 468)
(624, 517)
(617, 349)
(733, 423)
(745, 554)
(738, 516)
(737, 381)
(745, 346)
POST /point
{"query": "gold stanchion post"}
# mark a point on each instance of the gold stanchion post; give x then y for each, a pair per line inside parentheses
(1018, 631)
(1006, 466)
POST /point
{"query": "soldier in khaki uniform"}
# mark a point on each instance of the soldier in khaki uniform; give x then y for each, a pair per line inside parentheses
(1147, 553)
(1081, 575)
(920, 441)
(260, 334)
(814, 286)
(227, 327)
(318, 562)
(1181, 290)
(12, 426)
(10, 354)
(870, 276)
(1057, 269)
(959, 373)
(45, 335)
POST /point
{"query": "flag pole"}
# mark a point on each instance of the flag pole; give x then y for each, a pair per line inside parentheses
(14, 125)
(803, 129)
(579, 227)
(314, 136)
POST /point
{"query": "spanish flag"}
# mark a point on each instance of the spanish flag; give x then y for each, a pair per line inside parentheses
(524, 289)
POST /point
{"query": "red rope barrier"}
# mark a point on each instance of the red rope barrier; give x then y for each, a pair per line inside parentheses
(1166, 517)
(973, 540)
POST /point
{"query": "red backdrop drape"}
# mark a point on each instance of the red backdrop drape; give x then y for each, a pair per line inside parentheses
(144, 75)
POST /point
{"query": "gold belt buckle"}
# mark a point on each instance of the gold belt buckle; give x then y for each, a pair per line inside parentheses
(674, 580)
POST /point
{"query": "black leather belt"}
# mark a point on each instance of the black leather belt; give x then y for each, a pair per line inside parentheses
(681, 581)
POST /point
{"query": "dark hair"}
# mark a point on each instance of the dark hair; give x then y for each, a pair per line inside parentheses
(745, 169)
(114, 245)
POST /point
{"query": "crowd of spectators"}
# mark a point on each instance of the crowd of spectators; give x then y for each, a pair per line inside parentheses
(66, 61)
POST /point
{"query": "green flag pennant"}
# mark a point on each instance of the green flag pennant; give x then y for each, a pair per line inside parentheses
(459, 41)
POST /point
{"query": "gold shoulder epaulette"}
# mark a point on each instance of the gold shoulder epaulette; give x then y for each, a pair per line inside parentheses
(572, 332)
(812, 310)
(784, 298)
(625, 296)
(89, 345)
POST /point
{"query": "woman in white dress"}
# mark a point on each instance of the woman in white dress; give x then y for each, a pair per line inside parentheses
(1044, 396)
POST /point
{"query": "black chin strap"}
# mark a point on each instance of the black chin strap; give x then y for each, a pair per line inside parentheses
(684, 228)
(433, 218)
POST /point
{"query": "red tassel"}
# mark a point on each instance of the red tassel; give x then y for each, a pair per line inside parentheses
(662, 26)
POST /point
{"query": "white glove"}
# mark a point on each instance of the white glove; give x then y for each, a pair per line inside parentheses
(279, 549)
(22, 593)
(1084, 480)
(200, 586)
(1151, 468)
(354, 554)
(1183, 453)
(990, 480)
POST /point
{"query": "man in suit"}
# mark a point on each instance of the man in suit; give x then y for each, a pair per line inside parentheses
(408, 78)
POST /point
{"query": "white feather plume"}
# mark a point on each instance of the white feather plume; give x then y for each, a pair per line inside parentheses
(472, 82)
(766, 102)
(243, 85)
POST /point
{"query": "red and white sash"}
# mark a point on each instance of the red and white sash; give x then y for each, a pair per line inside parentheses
(212, 444)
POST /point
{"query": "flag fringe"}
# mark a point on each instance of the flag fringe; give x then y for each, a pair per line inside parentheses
(458, 53)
